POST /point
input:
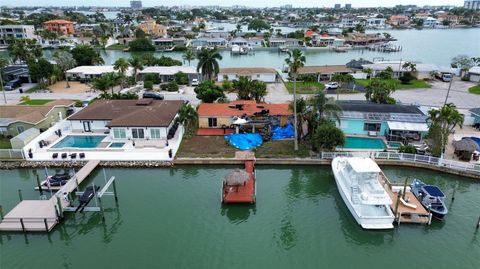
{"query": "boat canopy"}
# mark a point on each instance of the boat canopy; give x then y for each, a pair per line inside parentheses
(363, 165)
(433, 191)
(407, 126)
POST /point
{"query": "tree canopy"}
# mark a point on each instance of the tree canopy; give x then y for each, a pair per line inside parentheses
(86, 55)
(379, 91)
(208, 92)
(248, 89)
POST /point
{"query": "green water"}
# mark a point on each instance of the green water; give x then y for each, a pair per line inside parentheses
(172, 218)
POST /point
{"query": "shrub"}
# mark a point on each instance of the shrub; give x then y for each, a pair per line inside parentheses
(152, 77)
(407, 149)
(465, 78)
(172, 86)
(181, 78)
(406, 78)
(164, 87)
(307, 78)
(78, 103)
(180, 48)
(227, 85)
(208, 92)
(327, 137)
(148, 84)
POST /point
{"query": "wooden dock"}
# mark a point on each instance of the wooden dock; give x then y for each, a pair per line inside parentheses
(43, 215)
(410, 210)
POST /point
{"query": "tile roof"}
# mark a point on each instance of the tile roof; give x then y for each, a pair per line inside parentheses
(30, 114)
(131, 113)
(58, 21)
(249, 108)
(247, 70)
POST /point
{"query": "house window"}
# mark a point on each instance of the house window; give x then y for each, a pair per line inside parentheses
(155, 133)
(20, 129)
(372, 126)
(212, 122)
(138, 133)
(119, 133)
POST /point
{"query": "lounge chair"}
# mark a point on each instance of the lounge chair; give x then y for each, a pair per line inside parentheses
(82, 155)
(64, 155)
(73, 155)
(54, 155)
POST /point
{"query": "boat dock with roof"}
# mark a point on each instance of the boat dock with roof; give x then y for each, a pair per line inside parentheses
(239, 186)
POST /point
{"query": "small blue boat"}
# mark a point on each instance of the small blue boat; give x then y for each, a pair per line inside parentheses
(431, 197)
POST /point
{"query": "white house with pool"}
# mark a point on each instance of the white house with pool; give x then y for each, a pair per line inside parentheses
(144, 129)
(376, 127)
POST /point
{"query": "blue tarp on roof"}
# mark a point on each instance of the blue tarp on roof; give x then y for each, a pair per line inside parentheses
(283, 133)
(244, 141)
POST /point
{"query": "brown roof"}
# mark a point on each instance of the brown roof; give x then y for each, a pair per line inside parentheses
(131, 113)
(249, 108)
(247, 70)
(31, 114)
(325, 69)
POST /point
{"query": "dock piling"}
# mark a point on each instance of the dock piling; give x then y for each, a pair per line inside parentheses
(429, 215)
(39, 185)
(453, 194)
(1, 212)
(478, 223)
(20, 195)
(60, 209)
(23, 225)
(396, 206)
(404, 188)
(46, 224)
(115, 191)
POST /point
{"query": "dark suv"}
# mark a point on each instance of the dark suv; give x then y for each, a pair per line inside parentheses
(153, 95)
(13, 84)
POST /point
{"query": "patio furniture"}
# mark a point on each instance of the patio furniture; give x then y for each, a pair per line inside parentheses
(73, 155)
(81, 155)
(64, 155)
(55, 155)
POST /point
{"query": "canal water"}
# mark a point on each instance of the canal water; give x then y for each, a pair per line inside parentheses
(173, 218)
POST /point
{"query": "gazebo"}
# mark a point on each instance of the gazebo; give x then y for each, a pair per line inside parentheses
(465, 148)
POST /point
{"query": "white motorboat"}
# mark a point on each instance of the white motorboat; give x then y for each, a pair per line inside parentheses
(365, 197)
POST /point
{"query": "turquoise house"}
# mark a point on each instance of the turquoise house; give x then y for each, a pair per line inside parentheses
(402, 123)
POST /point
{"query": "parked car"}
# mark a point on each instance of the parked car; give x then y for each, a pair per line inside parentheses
(445, 77)
(331, 86)
(12, 85)
(195, 82)
(154, 95)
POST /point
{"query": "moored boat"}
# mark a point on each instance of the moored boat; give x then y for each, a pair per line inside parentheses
(358, 183)
(431, 197)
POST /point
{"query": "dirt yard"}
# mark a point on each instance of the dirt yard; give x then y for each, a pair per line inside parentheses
(75, 87)
(205, 146)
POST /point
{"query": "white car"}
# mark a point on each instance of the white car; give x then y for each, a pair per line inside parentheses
(195, 82)
(331, 86)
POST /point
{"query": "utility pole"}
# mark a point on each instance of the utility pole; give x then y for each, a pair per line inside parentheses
(1, 85)
(449, 87)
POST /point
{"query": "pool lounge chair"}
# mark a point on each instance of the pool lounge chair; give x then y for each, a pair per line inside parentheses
(64, 155)
(73, 155)
(81, 155)
(54, 155)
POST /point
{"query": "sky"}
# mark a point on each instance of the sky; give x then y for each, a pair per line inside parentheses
(253, 3)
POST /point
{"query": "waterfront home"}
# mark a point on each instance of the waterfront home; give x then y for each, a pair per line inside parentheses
(216, 34)
(376, 23)
(326, 41)
(349, 21)
(423, 71)
(152, 28)
(218, 119)
(449, 17)
(8, 32)
(284, 42)
(472, 4)
(359, 39)
(239, 41)
(255, 41)
(209, 42)
(431, 22)
(169, 42)
(15, 119)
(268, 75)
(395, 122)
(474, 74)
(90, 72)
(475, 112)
(167, 73)
(63, 26)
(325, 72)
(17, 71)
(398, 20)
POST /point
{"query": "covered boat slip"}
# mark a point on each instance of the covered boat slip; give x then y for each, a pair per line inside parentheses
(43, 215)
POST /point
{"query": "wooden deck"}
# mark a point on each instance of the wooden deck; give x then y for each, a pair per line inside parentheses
(42, 215)
(242, 193)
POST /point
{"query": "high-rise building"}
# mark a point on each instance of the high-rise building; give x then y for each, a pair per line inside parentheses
(472, 4)
(348, 6)
(136, 4)
(337, 6)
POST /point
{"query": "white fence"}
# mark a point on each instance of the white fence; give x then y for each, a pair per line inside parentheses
(6, 154)
(455, 165)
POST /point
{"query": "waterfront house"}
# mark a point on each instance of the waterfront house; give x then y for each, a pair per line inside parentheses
(474, 74)
(349, 21)
(218, 119)
(168, 42)
(268, 75)
(475, 112)
(167, 73)
(398, 20)
(216, 34)
(255, 41)
(209, 42)
(152, 28)
(63, 26)
(8, 32)
(284, 42)
(376, 23)
(122, 120)
(423, 71)
(15, 119)
(359, 39)
(90, 72)
(239, 41)
(395, 122)
(326, 41)
(20, 72)
(325, 72)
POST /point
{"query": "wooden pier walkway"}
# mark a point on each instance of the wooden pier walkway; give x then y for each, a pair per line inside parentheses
(43, 215)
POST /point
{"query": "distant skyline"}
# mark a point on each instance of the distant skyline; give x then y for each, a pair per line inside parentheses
(251, 3)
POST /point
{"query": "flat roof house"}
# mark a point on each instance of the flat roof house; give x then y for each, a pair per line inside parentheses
(220, 117)
(89, 72)
(325, 72)
(167, 73)
(284, 42)
(474, 74)
(423, 70)
(396, 122)
(16, 32)
(268, 75)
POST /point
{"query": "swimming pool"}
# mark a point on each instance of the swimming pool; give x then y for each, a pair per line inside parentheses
(80, 141)
(353, 142)
(394, 145)
(476, 139)
(116, 145)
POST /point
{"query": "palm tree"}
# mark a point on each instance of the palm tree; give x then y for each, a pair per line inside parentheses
(121, 65)
(325, 107)
(208, 62)
(295, 61)
(446, 119)
(302, 114)
(137, 64)
(103, 83)
(189, 55)
(65, 61)
(187, 115)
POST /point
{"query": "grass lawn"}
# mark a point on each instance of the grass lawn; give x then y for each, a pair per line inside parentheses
(281, 149)
(5, 143)
(305, 87)
(414, 84)
(36, 102)
(474, 89)
(116, 47)
(205, 146)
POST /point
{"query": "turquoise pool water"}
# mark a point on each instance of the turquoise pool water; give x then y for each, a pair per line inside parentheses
(80, 141)
(116, 145)
(394, 145)
(352, 142)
